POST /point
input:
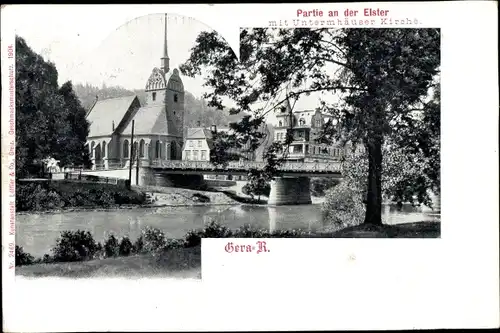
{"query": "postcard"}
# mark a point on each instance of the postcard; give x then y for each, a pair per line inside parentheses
(249, 167)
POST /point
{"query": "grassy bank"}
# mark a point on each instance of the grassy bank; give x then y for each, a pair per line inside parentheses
(181, 263)
(182, 258)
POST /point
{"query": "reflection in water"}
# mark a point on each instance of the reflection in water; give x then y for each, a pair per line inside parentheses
(37, 233)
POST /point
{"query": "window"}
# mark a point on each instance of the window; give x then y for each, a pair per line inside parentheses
(203, 155)
(176, 99)
(103, 149)
(141, 149)
(199, 143)
(188, 155)
(125, 149)
(302, 122)
(134, 151)
(195, 155)
(191, 143)
(154, 96)
(158, 149)
(280, 124)
(301, 134)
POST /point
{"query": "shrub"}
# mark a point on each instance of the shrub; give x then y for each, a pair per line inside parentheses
(193, 238)
(126, 247)
(138, 245)
(112, 247)
(75, 246)
(320, 185)
(247, 231)
(294, 233)
(174, 244)
(343, 207)
(23, 258)
(154, 240)
(216, 230)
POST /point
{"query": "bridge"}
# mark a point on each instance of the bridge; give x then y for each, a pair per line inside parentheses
(290, 186)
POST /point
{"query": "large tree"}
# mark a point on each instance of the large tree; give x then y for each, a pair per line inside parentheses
(382, 78)
(50, 121)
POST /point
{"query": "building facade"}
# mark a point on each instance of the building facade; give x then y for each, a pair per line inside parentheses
(304, 126)
(158, 124)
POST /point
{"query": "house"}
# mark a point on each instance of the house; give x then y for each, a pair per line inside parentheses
(305, 127)
(197, 144)
(158, 125)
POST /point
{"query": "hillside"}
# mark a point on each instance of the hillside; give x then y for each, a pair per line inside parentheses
(196, 109)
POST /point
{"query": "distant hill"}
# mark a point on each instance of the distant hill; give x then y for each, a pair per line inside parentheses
(196, 109)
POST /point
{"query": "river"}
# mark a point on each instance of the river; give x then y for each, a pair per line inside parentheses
(37, 233)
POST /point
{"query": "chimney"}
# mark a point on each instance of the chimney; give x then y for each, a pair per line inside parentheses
(198, 123)
(213, 128)
(113, 125)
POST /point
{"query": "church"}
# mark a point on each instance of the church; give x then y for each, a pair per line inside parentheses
(158, 125)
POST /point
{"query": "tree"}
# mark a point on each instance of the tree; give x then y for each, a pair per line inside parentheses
(382, 77)
(50, 122)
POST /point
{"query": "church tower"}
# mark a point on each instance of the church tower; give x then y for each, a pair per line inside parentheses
(165, 88)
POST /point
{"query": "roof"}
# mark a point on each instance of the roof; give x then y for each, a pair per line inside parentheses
(198, 133)
(105, 112)
(149, 119)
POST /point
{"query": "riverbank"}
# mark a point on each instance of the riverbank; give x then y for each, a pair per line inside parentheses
(186, 262)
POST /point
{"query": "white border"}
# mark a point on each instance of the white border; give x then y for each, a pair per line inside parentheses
(313, 284)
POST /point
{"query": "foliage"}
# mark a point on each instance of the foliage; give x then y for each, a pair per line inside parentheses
(75, 246)
(381, 76)
(343, 207)
(154, 240)
(257, 184)
(320, 185)
(23, 258)
(49, 120)
(126, 247)
(38, 197)
(112, 247)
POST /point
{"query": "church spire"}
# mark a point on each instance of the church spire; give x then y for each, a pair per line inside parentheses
(165, 60)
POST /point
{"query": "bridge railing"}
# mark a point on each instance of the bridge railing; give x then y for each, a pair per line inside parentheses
(331, 166)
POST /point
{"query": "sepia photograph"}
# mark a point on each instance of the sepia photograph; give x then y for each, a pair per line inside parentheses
(122, 170)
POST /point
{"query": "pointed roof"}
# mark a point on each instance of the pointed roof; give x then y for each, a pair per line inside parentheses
(199, 133)
(105, 112)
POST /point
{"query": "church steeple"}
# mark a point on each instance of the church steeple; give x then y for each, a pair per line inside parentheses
(165, 60)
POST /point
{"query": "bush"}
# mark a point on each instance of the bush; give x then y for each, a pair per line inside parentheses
(75, 246)
(320, 185)
(343, 207)
(138, 245)
(216, 230)
(23, 258)
(247, 231)
(193, 238)
(294, 233)
(126, 247)
(111, 247)
(154, 240)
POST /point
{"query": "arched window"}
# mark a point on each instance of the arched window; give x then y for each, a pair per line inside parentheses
(92, 146)
(173, 150)
(176, 98)
(157, 149)
(280, 123)
(141, 149)
(134, 151)
(302, 122)
(125, 149)
(103, 149)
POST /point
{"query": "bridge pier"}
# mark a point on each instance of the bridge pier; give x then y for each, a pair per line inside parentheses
(290, 191)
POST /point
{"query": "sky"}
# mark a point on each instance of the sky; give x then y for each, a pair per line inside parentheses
(116, 47)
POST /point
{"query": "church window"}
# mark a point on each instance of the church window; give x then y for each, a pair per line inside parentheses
(103, 149)
(173, 151)
(125, 149)
(141, 149)
(158, 149)
(175, 98)
(134, 151)
(154, 96)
